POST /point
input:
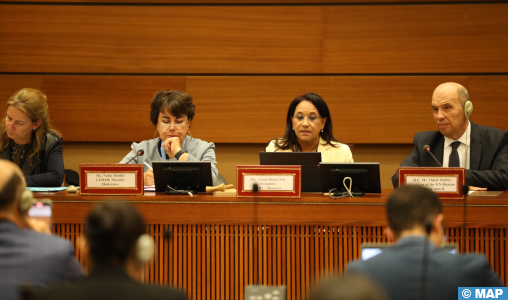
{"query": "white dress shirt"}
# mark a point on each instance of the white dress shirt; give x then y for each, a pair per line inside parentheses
(464, 156)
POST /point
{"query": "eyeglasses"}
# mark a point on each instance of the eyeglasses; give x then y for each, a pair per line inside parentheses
(311, 119)
(179, 127)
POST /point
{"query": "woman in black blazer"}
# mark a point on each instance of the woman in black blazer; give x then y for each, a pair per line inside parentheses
(27, 139)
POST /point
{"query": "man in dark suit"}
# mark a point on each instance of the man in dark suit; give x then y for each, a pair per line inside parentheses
(28, 258)
(482, 150)
(119, 249)
(416, 266)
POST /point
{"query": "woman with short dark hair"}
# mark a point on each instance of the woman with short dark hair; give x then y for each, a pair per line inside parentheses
(309, 129)
(28, 140)
(172, 113)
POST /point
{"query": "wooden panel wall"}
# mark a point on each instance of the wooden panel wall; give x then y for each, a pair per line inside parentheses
(254, 39)
(375, 64)
(252, 109)
(218, 261)
(147, 39)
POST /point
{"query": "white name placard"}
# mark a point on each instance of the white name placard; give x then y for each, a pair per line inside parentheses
(111, 180)
(270, 182)
(435, 183)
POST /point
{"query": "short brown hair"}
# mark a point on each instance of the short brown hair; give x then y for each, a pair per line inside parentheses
(177, 103)
(410, 206)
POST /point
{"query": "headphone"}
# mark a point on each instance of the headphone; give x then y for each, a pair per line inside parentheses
(145, 248)
(468, 109)
(428, 227)
(26, 201)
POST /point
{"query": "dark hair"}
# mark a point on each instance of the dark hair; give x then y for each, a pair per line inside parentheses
(10, 191)
(353, 286)
(411, 205)
(290, 141)
(112, 230)
(177, 103)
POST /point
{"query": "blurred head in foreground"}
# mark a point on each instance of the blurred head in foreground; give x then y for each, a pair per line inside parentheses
(348, 287)
(115, 232)
(415, 210)
(11, 189)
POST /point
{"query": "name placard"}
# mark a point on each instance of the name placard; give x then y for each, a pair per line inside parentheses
(111, 179)
(106, 179)
(273, 181)
(446, 182)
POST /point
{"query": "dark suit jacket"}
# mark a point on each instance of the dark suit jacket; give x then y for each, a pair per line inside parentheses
(107, 282)
(47, 169)
(33, 259)
(399, 271)
(488, 156)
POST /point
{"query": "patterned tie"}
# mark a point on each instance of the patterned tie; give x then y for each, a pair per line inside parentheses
(454, 160)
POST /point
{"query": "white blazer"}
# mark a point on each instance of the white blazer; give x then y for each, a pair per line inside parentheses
(339, 153)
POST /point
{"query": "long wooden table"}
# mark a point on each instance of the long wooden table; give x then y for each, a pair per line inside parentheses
(222, 243)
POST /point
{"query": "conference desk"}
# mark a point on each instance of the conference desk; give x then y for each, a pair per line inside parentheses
(222, 243)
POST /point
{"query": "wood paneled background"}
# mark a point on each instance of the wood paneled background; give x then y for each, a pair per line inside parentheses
(218, 261)
(376, 64)
(294, 242)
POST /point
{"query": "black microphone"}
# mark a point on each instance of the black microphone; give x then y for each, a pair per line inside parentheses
(255, 189)
(139, 153)
(427, 149)
(465, 191)
(167, 232)
(257, 291)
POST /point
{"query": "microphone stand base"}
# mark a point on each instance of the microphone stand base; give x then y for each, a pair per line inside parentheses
(180, 192)
(358, 194)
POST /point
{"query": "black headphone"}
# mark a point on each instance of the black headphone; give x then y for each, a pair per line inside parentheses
(428, 227)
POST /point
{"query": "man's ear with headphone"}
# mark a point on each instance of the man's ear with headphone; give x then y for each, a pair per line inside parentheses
(468, 109)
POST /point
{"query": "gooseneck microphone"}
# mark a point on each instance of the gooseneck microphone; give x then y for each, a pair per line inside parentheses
(427, 149)
(257, 291)
(255, 191)
(425, 260)
(139, 153)
(465, 193)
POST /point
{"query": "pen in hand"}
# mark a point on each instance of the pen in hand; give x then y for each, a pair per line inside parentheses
(149, 167)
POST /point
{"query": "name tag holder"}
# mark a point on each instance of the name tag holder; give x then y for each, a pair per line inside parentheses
(273, 181)
(111, 179)
(445, 182)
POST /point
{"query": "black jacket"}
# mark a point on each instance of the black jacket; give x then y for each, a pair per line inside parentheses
(47, 169)
(488, 156)
(399, 271)
(33, 259)
(107, 282)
